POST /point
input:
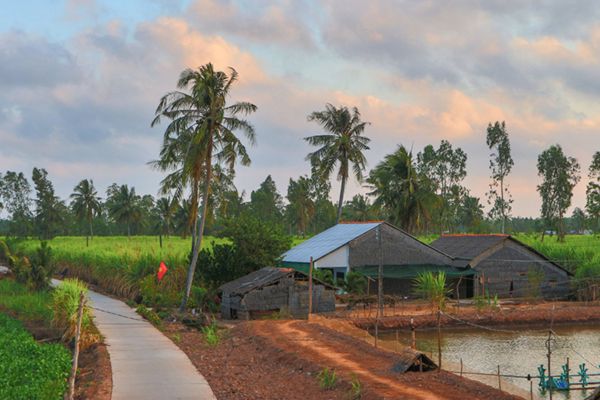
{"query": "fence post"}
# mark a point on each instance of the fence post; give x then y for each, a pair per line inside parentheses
(499, 380)
(397, 341)
(461, 368)
(531, 390)
(413, 334)
(439, 339)
(310, 288)
(76, 351)
(549, 347)
(376, 331)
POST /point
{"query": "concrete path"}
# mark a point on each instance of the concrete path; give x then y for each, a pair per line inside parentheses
(145, 364)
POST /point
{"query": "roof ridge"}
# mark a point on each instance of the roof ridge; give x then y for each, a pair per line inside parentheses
(361, 222)
(475, 235)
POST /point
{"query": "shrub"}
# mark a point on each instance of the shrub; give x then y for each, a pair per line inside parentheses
(432, 287)
(149, 314)
(324, 275)
(355, 388)
(327, 379)
(65, 305)
(211, 334)
(204, 299)
(355, 283)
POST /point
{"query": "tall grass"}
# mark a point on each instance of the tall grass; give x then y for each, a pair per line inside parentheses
(432, 286)
(29, 305)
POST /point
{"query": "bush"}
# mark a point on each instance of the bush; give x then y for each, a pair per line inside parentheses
(324, 275)
(149, 314)
(65, 305)
(355, 283)
(204, 299)
(29, 370)
(432, 287)
(211, 334)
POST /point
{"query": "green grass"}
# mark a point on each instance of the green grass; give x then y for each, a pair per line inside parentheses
(28, 305)
(579, 253)
(29, 370)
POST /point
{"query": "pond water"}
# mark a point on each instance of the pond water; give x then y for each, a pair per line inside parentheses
(518, 353)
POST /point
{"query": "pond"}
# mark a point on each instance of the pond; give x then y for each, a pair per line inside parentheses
(517, 353)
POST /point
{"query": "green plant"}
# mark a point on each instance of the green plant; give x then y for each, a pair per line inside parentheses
(29, 370)
(479, 302)
(535, 277)
(324, 275)
(65, 306)
(29, 305)
(327, 379)
(211, 334)
(355, 388)
(432, 287)
(355, 283)
(176, 337)
(149, 314)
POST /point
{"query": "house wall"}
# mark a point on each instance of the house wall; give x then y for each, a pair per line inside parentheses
(286, 295)
(338, 258)
(513, 262)
(398, 248)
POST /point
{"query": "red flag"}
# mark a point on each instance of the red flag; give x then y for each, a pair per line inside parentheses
(162, 270)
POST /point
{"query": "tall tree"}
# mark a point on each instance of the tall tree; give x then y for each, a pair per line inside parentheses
(446, 168)
(578, 220)
(359, 209)
(164, 210)
(15, 191)
(471, 213)
(124, 205)
(405, 194)
(201, 131)
(501, 163)
(344, 144)
(301, 207)
(86, 204)
(560, 174)
(48, 216)
(266, 202)
(593, 191)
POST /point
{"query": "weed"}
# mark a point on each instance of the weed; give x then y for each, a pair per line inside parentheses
(149, 314)
(327, 379)
(176, 337)
(211, 334)
(355, 388)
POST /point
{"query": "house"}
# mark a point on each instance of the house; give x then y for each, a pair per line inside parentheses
(506, 267)
(272, 290)
(356, 246)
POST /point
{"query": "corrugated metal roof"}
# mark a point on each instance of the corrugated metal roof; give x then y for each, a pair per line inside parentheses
(327, 241)
(467, 246)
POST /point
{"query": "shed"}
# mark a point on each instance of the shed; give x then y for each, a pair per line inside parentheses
(410, 359)
(504, 266)
(270, 290)
(355, 246)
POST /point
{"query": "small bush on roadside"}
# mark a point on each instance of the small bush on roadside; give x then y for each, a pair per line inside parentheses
(211, 334)
(204, 299)
(149, 314)
(355, 283)
(65, 304)
(327, 379)
(355, 388)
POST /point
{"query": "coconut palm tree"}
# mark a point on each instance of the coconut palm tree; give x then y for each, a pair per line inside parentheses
(201, 132)
(124, 206)
(164, 211)
(85, 203)
(344, 144)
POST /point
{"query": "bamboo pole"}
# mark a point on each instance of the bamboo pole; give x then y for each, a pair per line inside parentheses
(71, 395)
(413, 334)
(439, 340)
(461, 368)
(379, 275)
(499, 379)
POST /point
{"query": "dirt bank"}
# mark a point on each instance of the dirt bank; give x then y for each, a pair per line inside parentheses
(538, 315)
(280, 360)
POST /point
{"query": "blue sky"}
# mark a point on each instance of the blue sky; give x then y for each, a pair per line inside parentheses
(80, 79)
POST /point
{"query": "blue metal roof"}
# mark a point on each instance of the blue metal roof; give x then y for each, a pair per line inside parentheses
(327, 241)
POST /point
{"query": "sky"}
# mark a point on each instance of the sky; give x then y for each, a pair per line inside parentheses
(80, 81)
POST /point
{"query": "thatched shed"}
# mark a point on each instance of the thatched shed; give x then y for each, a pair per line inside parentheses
(413, 360)
(272, 290)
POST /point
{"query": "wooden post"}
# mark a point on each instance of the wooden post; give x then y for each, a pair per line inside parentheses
(310, 288)
(568, 370)
(531, 389)
(379, 275)
(439, 340)
(413, 334)
(499, 380)
(549, 346)
(461, 368)
(397, 341)
(71, 395)
(376, 331)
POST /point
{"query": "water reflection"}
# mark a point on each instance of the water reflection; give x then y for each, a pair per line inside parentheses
(516, 353)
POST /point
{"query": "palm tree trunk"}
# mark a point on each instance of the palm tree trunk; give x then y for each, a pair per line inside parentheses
(200, 231)
(341, 201)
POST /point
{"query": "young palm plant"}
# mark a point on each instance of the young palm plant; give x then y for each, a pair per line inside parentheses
(201, 132)
(432, 287)
(85, 203)
(344, 144)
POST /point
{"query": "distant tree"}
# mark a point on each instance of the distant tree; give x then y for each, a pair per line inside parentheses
(124, 205)
(48, 216)
(201, 132)
(86, 204)
(164, 210)
(471, 213)
(501, 163)
(301, 207)
(446, 168)
(325, 214)
(343, 145)
(266, 203)
(359, 209)
(15, 191)
(405, 194)
(560, 174)
(181, 218)
(578, 220)
(593, 191)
